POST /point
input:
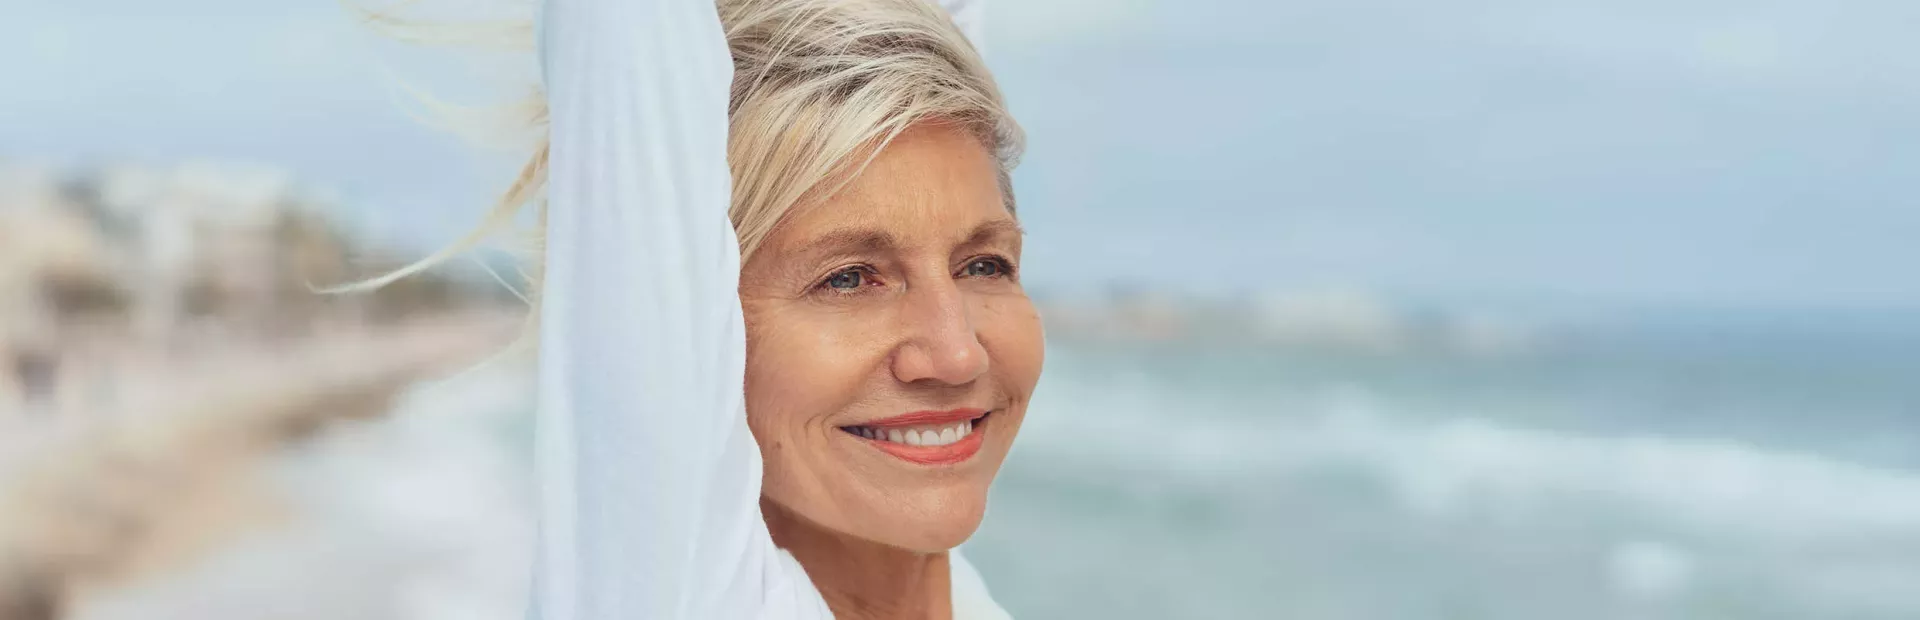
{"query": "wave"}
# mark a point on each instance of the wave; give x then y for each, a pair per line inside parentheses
(1468, 465)
(1357, 496)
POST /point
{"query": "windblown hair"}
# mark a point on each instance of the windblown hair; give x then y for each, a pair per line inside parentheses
(819, 88)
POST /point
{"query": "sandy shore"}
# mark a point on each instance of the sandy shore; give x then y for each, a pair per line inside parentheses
(96, 501)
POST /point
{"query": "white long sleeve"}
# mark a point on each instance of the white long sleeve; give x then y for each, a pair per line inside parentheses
(649, 478)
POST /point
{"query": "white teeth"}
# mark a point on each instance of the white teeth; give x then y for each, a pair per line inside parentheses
(918, 437)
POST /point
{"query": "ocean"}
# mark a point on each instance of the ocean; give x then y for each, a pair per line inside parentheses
(1659, 469)
(1677, 467)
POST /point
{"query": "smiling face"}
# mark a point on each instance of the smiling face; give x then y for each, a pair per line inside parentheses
(890, 348)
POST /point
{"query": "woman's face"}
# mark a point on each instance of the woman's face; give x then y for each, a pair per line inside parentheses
(890, 348)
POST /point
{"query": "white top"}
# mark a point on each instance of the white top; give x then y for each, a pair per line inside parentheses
(649, 478)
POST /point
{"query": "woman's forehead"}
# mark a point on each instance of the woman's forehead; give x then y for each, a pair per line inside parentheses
(929, 186)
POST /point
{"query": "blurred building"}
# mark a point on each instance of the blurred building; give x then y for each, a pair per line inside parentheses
(113, 268)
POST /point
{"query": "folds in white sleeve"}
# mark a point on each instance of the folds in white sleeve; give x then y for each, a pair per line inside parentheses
(649, 477)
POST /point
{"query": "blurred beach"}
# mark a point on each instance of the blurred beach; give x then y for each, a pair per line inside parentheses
(165, 349)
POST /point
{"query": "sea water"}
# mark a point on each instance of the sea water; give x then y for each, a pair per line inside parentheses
(1639, 470)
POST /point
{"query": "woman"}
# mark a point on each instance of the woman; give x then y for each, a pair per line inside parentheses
(783, 344)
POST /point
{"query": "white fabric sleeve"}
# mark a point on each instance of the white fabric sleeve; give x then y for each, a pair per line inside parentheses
(649, 479)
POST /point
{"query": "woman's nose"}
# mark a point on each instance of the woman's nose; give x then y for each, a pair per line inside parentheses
(940, 343)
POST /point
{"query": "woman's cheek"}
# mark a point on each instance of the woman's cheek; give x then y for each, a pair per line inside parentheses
(1009, 327)
(812, 363)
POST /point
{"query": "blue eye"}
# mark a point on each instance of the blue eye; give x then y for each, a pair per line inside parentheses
(848, 280)
(986, 268)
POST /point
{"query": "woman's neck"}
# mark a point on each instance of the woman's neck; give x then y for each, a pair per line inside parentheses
(861, 579)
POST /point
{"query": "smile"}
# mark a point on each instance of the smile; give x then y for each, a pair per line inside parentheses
(928, 437)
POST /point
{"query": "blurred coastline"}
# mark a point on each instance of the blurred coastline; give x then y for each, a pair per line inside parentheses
(162, 343)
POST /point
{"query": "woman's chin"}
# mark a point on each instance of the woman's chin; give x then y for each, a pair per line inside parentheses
(928, 526)
(935, 537)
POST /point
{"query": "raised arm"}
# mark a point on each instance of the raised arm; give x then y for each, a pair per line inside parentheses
(649, 477)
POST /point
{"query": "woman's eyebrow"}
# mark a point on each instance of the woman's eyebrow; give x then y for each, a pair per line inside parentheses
(852, 241)
(843, 241)
(993, 230)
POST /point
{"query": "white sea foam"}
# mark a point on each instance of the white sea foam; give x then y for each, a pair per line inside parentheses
(1453, 467)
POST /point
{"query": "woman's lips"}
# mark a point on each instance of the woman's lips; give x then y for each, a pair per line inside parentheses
(927, 437)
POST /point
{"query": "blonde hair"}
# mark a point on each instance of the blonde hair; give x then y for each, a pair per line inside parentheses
(819, 88)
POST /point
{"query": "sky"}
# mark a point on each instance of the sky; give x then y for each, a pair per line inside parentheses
(1628, 153)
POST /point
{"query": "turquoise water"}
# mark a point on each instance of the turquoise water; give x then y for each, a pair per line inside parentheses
(1658, 469)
